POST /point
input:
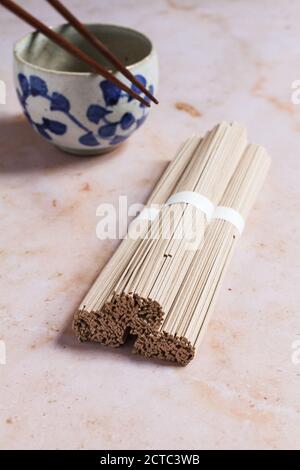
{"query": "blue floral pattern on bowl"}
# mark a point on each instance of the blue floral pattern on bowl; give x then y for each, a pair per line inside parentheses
(105, 127)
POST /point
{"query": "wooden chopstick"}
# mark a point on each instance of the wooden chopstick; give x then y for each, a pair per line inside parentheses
(68, 46)
(92, 39)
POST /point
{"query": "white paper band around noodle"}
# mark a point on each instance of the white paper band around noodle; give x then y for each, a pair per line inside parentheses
(195, 199)
(230, 215)
(200, 202)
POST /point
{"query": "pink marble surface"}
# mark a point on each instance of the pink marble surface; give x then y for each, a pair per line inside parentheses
(231, 60)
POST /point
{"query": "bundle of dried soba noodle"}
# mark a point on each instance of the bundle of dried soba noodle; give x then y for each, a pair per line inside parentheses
(161, 285)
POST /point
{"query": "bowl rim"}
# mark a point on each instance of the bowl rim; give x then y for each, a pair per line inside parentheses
(18, 58)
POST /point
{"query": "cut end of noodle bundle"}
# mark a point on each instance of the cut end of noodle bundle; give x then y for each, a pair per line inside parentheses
(130, 314)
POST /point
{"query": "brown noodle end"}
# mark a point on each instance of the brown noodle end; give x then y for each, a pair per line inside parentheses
(166, 347)
(131, 314)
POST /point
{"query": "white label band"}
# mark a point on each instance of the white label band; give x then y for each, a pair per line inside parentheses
(200, 202)
(230, 215)
(195, 199)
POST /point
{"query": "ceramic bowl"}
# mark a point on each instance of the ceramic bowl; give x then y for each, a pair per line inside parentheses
(78, 111)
